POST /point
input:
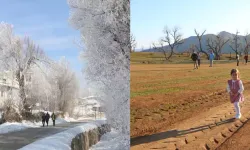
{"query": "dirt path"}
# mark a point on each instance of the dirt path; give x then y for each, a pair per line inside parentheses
(207, 130)
(239, 140)
(16, 140)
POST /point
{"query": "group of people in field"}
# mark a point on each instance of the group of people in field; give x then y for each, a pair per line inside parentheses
(196, 57)
(46, 117)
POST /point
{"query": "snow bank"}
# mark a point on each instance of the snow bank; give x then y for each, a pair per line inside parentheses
(111, 141)
(62, 140)
(16, 126)
(11, 127)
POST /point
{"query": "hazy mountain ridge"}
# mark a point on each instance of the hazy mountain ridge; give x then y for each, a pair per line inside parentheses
(194, 40)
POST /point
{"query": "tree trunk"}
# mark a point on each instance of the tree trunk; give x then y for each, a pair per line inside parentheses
(21, 82)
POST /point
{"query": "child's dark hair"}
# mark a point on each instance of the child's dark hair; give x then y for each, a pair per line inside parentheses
(235, 71)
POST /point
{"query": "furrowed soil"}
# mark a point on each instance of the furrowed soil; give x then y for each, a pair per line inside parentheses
(175, 96)
(240, 140)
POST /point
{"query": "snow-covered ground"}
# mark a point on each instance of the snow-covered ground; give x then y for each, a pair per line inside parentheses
(62, 140)
(111, 141)
(16, 126)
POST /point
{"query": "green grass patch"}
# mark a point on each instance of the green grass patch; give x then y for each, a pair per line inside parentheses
(156, 91)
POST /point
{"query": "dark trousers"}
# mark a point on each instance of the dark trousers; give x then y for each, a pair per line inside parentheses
(199, 62)
(54, 122)
(47, 121)
(246, 60)
(43, 123)
(238, 62)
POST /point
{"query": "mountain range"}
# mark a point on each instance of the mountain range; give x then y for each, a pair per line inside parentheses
(194, 40)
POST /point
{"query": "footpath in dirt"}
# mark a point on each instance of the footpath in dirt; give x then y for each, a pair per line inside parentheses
(16, 140)
(239, 140)
(207, 130)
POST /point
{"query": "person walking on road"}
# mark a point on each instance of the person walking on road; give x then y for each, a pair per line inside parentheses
(43, 118)
(211, 58)
(53, 117)
(194, 57)
(235, 88)
(47, 118)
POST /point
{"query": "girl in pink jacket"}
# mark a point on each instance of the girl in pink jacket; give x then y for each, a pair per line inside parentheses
(235, 88)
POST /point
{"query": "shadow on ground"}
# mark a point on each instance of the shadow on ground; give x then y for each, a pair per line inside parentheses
(173, 133)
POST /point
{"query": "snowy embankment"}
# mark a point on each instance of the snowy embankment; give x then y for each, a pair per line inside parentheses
(17, 126)
(62, 140)
(111, 141)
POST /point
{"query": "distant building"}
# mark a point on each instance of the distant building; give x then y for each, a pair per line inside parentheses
(89, 106)
(8, 86)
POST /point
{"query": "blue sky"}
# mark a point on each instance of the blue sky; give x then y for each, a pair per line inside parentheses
(149, 17)
(46, 23)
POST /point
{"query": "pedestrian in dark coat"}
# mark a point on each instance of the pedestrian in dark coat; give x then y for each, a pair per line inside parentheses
(47, 118)
(43, 118)
(53, 117)
(194, 57)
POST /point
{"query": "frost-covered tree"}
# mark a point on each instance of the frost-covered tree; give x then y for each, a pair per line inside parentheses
(39, 89)
(65, 85)
(18, 55)
(105, 30)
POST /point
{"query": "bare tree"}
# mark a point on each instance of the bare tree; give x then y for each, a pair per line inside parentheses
(133, 43)
(216, 45)
(247, 43)
(162, 48)
(142, 48)
(66, 84)
(191, 49)
(173, 39)
(235, 43)
(199, 36)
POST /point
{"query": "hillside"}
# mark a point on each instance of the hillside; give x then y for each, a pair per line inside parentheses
(193, 40)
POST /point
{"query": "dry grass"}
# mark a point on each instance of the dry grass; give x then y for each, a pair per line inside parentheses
(158, 58)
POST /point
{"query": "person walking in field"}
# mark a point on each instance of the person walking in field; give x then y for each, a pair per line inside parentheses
(235, 89)
(194, 57)
(53, 117)
(211, 58)
(47, 118)
(199, 59)
(238, 59)
(43, 118)
(246, 59)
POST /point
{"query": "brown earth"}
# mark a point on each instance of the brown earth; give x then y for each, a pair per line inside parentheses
(239, 141)
(165, 97)
(207, 130)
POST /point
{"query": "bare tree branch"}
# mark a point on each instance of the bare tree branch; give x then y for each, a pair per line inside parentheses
(132, 43)
(199, 36)
(173, 39)
(216, 45)
(234, 44)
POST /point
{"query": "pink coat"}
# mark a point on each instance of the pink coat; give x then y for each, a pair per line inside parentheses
(234, 88)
